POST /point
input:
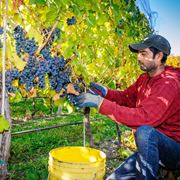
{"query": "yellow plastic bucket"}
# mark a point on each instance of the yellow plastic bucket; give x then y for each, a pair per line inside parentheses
(76, 163)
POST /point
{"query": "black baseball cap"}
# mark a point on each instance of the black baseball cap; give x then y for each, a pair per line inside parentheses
(156, 41)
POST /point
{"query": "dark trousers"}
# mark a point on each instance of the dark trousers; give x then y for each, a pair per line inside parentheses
(154, 150)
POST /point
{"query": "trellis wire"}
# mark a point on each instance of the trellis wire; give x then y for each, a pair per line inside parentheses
(49, 127)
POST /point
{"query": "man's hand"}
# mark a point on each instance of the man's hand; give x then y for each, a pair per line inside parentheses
(88, 100)
(4, 124)
(98, 89)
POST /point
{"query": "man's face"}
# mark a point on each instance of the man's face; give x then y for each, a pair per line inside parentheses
(146, 60)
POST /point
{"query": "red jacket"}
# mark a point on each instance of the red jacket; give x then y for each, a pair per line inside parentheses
(149, 101)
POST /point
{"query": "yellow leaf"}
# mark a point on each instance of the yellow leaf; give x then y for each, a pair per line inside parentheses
(124, 152)
(32, 93)
(15, 83)
(4, 124)
(52, 93)
(22, 89)
(17, 97)
(59, 102)
(70, 108)
(32, 32)
(93, 111)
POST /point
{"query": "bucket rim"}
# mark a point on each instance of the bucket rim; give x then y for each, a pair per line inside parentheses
(103, 157)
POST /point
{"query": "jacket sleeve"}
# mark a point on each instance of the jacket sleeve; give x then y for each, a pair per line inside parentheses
(127, 97)
(152, 110)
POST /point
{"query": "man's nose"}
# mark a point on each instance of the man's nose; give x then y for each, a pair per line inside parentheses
(138, 57)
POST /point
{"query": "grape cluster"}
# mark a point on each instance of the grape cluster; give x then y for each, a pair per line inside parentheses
(11, 75)
(1, 32)
(55, 68)
(19, 37)
(41, 73)
(57, 73)
(46, 52)
(23, 44)
(30, 46)
(28, 74)
(71, 21)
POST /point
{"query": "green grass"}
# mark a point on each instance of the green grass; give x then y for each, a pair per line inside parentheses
(29, 152)
(25, 107)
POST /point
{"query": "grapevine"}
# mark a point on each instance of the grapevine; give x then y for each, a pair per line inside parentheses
(40, 66)
(52, 33)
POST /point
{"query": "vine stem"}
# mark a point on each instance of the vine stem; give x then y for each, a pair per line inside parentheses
(49, 35)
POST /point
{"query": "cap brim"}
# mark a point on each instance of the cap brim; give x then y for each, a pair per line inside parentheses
(137, 47)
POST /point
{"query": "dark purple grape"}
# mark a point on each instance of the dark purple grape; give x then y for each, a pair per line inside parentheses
(1, 30)
(71, 21)
(37, 69)
(10, 76)
(1, 44)
(23, 44)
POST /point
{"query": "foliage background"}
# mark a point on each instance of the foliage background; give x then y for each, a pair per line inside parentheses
(97, 49)
(96, 46)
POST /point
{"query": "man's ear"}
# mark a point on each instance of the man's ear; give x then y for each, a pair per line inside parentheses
(159, 56)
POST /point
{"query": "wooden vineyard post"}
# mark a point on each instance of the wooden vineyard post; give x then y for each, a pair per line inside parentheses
(87, 125)
(5, 137)
(5, 142)
(51, 106)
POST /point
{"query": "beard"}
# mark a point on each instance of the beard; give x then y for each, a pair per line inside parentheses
(147, 68)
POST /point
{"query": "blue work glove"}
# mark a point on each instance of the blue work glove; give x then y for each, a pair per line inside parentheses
(88, 100)
(98, 89)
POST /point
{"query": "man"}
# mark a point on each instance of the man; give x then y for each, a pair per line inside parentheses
(151, 106)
